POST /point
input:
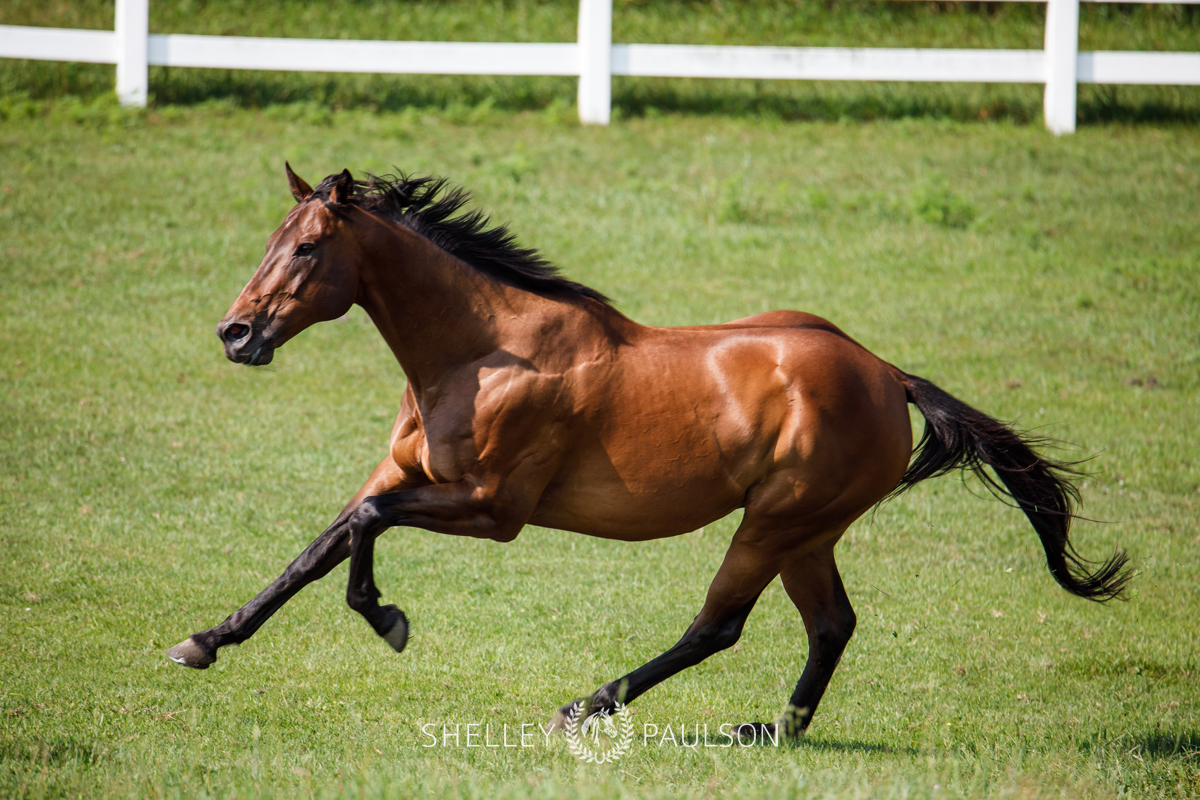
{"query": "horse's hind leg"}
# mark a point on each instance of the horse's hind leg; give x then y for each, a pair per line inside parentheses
(747, 569)
(814, 585)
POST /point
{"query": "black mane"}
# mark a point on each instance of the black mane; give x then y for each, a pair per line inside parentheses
(428, 206)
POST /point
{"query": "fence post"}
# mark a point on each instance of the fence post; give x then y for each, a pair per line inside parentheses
(595, 61)
(1062, 53)
(133, 72)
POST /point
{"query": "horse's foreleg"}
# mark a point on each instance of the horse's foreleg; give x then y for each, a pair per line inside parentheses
(460, 509)
(745, 572)
(322, 555)
(326, 552)
(363, 596)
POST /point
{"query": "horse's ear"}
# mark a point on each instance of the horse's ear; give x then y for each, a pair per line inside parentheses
(343, 187)
(300, 189)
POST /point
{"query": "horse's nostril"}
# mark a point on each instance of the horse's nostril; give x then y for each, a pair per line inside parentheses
(235, 332)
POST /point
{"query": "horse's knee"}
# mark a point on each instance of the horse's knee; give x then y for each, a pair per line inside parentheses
(365, 519)
(499, 520)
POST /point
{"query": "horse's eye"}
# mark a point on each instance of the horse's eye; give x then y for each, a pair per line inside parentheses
(305, 249)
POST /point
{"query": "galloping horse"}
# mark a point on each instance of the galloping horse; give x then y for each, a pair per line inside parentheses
(531, 400)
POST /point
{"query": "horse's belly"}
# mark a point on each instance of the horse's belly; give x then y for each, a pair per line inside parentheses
(675, 445)
(605, 504)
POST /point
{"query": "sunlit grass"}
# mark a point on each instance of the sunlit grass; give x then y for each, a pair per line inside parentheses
(148, 487)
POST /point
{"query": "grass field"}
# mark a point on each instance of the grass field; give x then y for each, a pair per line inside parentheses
(148, 487)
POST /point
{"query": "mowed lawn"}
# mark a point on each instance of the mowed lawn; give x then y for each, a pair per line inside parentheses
(148, 487)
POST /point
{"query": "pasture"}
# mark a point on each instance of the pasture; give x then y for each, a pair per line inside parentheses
(149, 487)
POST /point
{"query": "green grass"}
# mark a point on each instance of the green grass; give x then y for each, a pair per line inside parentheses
(148, 487)
(859, 23)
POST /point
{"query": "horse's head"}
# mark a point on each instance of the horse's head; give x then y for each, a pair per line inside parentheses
(308, 275)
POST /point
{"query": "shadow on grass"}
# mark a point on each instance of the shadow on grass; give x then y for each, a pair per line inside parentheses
(882, 101)
(1168, 744)
(1159, 745)
(39, 752)
(804, 742)
(853, 746)
(1182, 673)
(632, 97)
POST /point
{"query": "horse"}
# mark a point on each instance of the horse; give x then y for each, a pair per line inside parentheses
(531, 400)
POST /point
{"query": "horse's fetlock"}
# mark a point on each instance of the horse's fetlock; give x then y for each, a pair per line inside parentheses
(361, 600)
(607, 696)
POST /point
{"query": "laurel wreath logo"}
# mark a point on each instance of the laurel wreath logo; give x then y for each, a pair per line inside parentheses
(576, 740)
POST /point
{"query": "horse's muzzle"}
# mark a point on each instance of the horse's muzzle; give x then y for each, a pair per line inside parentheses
(244, 344)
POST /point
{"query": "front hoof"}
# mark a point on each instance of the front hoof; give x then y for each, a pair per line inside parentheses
(190, 654)
(397, 628)
(557, 723)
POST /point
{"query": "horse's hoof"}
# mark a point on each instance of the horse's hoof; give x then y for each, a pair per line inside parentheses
(190, 654)
(559, 721)
(397, 632)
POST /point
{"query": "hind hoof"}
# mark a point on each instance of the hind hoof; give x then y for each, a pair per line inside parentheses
(190, 654)
(397, 632)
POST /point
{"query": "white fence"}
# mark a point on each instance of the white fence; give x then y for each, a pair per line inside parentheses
(595, 59)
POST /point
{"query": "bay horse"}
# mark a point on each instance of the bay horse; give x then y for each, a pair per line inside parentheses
(532, 401)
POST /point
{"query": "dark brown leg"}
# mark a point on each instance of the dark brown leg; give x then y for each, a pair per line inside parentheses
(326, 552)
(362, 594)
(453, 508)
(745, 572)
(816, 588)
(813, 583)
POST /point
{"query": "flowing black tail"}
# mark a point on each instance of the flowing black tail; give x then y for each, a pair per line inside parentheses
(959, 437)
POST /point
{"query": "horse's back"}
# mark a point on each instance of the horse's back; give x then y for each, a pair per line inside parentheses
(786, 318)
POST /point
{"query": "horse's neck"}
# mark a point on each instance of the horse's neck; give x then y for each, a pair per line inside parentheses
(435, 312)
